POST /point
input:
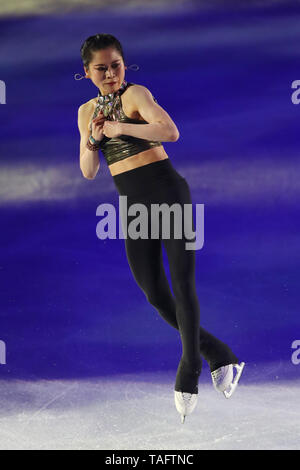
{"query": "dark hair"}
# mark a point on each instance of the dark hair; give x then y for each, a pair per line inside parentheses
(96, 42)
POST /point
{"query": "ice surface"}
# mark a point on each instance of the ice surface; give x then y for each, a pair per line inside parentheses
(138, 412)
(239, 153)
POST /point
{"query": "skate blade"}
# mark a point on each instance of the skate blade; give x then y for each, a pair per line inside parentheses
(182, 418)
(239, 367)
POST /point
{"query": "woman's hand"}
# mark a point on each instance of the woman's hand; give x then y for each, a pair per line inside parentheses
(112, 129)
(97, 126)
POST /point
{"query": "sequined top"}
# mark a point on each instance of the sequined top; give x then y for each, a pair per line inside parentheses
(124, 146)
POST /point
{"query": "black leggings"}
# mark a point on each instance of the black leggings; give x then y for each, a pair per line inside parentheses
(157, 183)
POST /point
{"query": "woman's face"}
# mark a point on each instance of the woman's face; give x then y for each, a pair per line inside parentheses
(106, 67)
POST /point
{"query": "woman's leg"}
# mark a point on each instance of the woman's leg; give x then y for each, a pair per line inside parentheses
(182, 312)
(182, 270)
(146, 264)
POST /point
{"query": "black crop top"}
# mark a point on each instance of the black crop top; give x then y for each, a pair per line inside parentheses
(124, 146)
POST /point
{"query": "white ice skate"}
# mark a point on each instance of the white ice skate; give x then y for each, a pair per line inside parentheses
(223, 380)
(185, 403)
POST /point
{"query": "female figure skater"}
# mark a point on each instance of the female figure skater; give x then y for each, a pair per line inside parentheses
(128, 125)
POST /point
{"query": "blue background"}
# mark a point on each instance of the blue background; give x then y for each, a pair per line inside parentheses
(69, 304)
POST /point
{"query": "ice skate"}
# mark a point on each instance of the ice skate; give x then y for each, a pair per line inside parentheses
(185, 403)
(223, 379)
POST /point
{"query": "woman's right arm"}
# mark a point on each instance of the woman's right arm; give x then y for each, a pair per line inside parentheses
(89, 160)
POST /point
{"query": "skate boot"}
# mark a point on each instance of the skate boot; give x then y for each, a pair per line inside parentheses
(185, 403)
(223, 380)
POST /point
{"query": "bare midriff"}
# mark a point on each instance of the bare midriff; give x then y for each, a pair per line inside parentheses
(140, 159)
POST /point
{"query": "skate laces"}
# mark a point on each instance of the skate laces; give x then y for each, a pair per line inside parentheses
(218, 373)
(186, 397)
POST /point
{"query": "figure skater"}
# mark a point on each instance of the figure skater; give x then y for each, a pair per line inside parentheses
(142, 171)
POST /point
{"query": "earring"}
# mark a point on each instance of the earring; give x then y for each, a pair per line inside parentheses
(133, 67)
(80, 76)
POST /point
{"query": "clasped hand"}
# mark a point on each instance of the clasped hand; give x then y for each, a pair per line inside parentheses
(101, 127)
(112, 129)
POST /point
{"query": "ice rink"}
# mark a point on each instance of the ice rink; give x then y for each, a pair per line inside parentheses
(130, 411)
(89, 362)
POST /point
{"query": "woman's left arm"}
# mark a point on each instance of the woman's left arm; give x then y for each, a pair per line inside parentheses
(160, 128)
